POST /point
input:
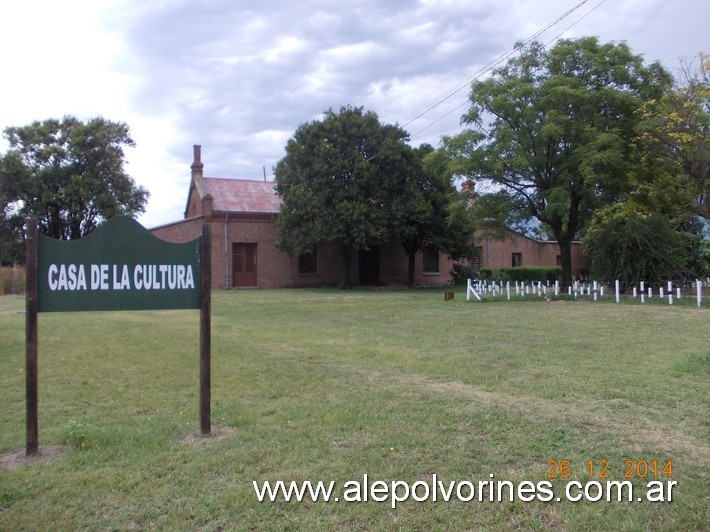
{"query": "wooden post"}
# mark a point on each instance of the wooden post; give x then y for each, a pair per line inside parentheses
(31, 367)
(205, 327)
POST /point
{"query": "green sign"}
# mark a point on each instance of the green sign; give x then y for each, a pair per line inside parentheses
(120, 266)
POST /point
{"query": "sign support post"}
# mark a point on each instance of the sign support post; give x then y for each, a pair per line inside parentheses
(31, 342)
(205, 327)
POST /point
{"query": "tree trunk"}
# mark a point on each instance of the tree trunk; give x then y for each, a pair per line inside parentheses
(565, 260)
(564, 234)
(411, 256)
(347, 281)
(410, 248)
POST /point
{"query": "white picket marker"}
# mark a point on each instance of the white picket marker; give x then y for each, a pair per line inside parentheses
(470, 290)
(660, 291)
(616, 286)
(700, 292)
(677, 288)
(650, 292)
(634, 292)
(557, 288)
(507, 289)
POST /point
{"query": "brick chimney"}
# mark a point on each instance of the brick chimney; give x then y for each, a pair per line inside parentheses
(197, 179)
(197, 165)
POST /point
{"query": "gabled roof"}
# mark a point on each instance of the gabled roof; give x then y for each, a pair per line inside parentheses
(242, 195)
(238, 195)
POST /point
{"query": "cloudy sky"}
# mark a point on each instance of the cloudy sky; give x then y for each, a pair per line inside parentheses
(239, 77)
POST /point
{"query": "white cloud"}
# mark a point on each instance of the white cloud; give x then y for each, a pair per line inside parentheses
(239, 77)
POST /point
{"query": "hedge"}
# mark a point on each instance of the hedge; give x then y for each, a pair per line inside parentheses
(522, 273)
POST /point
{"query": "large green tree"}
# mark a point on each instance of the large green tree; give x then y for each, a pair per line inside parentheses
(335, 181)
(426, 212)
(554, 129)
(68, 174)
(656, 231)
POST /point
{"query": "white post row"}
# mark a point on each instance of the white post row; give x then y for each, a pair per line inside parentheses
(594, 288)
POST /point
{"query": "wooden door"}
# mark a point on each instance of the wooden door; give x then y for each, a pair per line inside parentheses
(244, 265)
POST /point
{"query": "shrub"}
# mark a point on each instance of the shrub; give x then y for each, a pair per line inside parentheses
(522, 273)
(12, 280)
(531, 273)
(461, 272)
(634, 247)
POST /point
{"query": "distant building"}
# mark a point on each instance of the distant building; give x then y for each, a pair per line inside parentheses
(515, 249)
(244, 255)
(242, 214)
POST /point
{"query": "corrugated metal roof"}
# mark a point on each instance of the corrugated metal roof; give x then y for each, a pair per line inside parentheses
(242, 195)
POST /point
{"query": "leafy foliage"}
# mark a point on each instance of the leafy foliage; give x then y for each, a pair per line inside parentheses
(461, 272)
(352, 182)
(68, 174)
(427, 213)
(674, 138)
(522, 273)
(559, 137)
(335, 180)
(634, 247)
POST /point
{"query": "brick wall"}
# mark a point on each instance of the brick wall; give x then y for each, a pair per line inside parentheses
(277, 269)
(393, 267)
(182, 231)
(498, 253)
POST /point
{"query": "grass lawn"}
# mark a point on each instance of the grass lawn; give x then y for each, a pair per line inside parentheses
(331, 385)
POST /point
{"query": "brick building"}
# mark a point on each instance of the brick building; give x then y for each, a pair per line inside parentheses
(515, 249)
(242, 215)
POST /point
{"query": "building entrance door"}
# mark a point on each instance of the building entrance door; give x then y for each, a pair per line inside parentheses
(244, 265)
(369, 266)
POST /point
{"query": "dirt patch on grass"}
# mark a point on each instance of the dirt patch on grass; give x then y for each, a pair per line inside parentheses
(47, 454)
(217, 433)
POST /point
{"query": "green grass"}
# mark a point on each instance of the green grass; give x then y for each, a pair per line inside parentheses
(331, 385)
